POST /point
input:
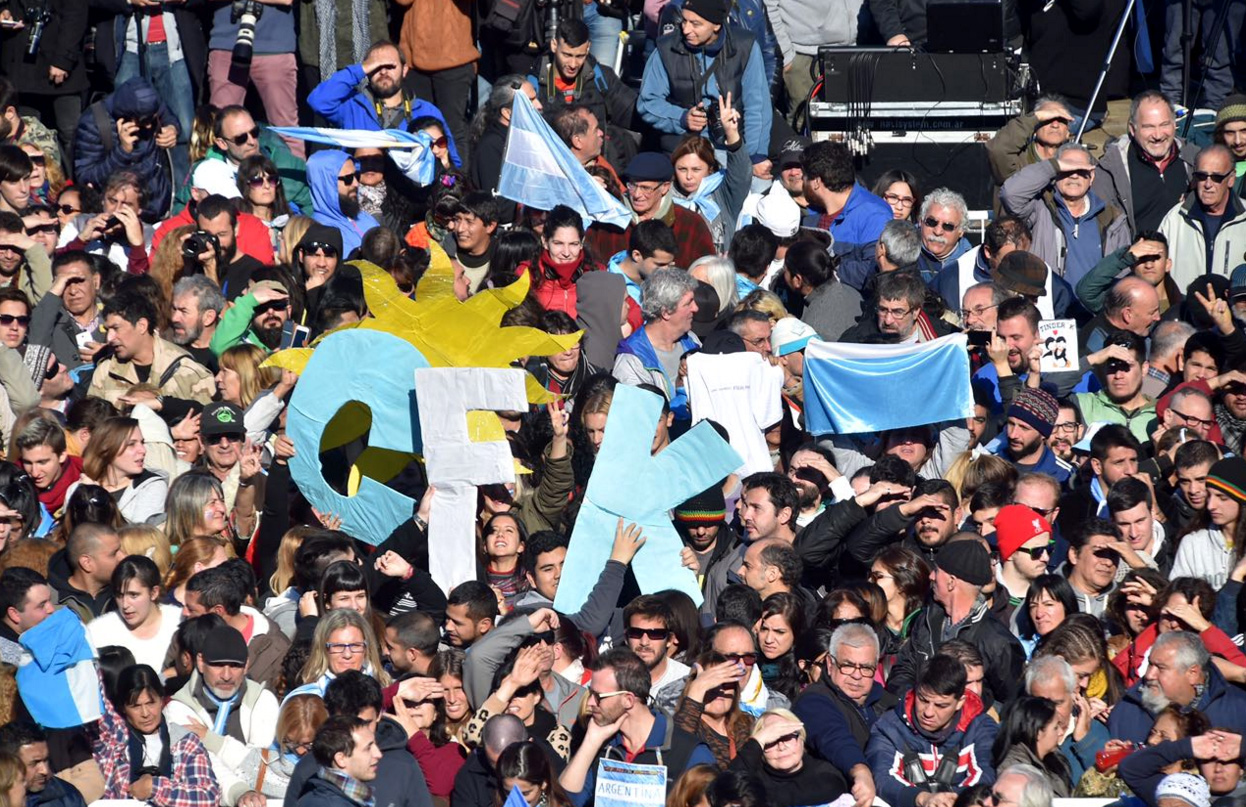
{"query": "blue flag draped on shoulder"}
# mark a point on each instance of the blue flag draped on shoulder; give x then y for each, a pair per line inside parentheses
(540, 171)
(412, 151)
(856, 389)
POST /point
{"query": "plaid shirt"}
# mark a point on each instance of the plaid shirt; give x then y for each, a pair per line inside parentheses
(351, 787)
(192, 785)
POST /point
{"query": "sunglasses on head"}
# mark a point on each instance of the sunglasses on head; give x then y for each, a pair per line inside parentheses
(241, 139)
(935, 224)
(261, 179)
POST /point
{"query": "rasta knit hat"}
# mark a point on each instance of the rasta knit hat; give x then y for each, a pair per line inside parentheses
(1036, 407)
(1229, 477)
(706, 508)
(712, 11)
(1191, 789)
(967, 560)
(1234, 109)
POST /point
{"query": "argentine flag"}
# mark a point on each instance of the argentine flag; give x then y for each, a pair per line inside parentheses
(411, 151)
(540, 171)
(57, 676)
(860, 389)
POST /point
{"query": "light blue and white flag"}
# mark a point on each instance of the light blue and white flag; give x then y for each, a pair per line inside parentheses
(411, 151)
(859, 389)
(540, 171)
(57, 677)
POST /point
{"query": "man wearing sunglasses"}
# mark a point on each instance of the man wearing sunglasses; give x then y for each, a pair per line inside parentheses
(217, 177)
(1025, 545)
(1072, 227)
(370, 96)
(24, 262)
(647, 620)
(257, 317)
(942, 225)
(1207, 230)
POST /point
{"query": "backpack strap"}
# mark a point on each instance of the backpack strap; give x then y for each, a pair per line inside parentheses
(103, 122)
(171, 370)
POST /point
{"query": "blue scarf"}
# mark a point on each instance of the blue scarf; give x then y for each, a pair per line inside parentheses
(1096, 490)
(223, 708)
(702, 201)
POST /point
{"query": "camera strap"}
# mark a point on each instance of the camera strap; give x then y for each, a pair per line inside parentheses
(104, 122)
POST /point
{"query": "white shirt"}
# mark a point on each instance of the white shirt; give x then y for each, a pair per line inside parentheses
(743, 393)
(110, 629)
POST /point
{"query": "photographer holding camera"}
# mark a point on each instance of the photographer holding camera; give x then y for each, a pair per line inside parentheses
(253, 42)
(41, 53)
(117, 233)
(130, 130)
(214, 248)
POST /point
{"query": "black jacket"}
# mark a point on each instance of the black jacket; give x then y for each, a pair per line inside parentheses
(57, 793)
(822, 544)
(475, 784)
(114, 16)
(399, 780)
(82, 603)
(59, 46)
(817, 781)
(597, 87)
(317, 792)
(1002, 655)
(486, 168)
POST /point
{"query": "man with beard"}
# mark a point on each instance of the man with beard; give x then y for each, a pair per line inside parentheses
(381, 102)
(710, 548)
(1179, 671)
(1067, 432)
(1121, 366)
(1031, 419)
(335, 197)
(197, 307)
(648, 620)
(233, 715)
(229, 267)
(1025, 545)
(26, 741)
(218, 177)
(24, 262)
(258, 316)
(619, 717)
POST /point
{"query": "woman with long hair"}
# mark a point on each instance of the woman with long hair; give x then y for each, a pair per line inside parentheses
(195, 508)
(525, 766)
(269, 770)
(283, 577)
(1215, 541)
(89, 504)
(830, 304)
(344, 585)
(142, 756)
(503, 538)
(1079, 641)
(167, 263)
(1048, 602)
(516, 690)
(691, 786)
(259, 391)
(1030, 734)
(12, 781)
(779, 630)
(515, 249)
(715, 192)
(21, 515)
(193, 556)
(114, 460)
(343, 641)
(709, 711)
(148, 542)
(904, 577)
(1132, 607)
(140, 622)
(564, 259)
(899, 189)
(263, 195)
(685, 624)
(447, 668)
(429, 739)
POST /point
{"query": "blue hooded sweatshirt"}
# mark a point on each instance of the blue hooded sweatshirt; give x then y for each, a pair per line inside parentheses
(1083, 244)
(323, 168)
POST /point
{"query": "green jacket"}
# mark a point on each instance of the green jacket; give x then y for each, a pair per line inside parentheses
(1093, 288)
(235, 326)
(291, 169)
(1096, 408)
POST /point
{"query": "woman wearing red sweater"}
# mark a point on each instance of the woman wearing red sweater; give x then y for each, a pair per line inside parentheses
(563, 260)
(1186, 603)
(440, 756)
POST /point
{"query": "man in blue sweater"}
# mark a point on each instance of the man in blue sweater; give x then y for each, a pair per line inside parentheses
(370, 96)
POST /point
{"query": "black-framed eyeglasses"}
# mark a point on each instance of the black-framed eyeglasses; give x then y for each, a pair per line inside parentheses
(241, 139)
(654, 634)
(935, 224)
(1193, 421)
(853, 670)
(1036, 552)
(1203, 176)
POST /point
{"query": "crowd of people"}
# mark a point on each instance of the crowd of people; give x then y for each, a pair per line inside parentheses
(1041, 599)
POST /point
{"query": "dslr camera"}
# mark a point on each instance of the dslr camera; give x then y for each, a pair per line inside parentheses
(198, 243)
(245, 14)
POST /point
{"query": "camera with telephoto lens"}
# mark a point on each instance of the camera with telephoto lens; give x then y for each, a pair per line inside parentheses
(245, 13)
(36, 20)
(198, 243)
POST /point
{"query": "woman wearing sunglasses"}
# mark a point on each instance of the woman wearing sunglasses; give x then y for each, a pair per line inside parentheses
(776, 753)
(263, 195)
(1187, 604)
(710, 710)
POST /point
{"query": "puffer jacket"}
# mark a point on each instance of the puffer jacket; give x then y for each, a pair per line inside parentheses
(98, 155)
(970, 736)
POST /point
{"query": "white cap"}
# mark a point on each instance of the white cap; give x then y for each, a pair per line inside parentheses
(778, 212)
(790, 335)
(216, 177)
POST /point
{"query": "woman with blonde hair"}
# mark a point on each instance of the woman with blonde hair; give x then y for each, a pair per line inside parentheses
(166, 260)
(343, 641)
(283, 578)
(268, 771)
(593, 417)
(148, 541)
(193, 556)
(195, 508)
(12, 781)
(689, 790)
(791, 776)
(259, 391)
(766, 302)
(291, 234)
(115, 460)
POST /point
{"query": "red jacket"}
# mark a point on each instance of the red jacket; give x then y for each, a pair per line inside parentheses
(253, 236)
(1215, 640)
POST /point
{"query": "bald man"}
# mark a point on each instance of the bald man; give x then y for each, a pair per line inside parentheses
(1132, 304)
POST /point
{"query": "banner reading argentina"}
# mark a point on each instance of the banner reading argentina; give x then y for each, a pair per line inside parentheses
(861, 389)
(625, 784)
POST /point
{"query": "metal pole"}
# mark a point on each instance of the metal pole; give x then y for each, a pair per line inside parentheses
(1187, 49)
(1107, 65)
